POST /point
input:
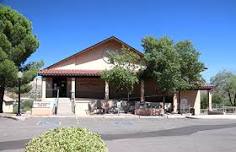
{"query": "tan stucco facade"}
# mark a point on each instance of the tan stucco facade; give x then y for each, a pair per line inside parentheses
(85, 89)
(8, 107)
(93, 59)
(191, 99)
(42, 111)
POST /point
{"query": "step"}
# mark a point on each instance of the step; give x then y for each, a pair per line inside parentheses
(64, 107)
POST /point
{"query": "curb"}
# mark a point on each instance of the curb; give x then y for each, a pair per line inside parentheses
(190, 117)
(9, 117)
(22, 118)
(213, 117)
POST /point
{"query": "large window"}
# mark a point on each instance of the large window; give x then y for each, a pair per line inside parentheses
(90, 87)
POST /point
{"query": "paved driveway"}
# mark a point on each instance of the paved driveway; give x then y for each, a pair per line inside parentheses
(128, 135)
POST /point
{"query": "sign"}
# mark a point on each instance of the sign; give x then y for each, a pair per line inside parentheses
(42, 104)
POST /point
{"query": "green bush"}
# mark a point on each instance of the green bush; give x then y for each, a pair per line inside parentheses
(26, 105)
(67, 140)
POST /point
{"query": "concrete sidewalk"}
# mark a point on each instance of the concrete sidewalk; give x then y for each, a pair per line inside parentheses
(106, 116)
(122, 116)
(212, 117)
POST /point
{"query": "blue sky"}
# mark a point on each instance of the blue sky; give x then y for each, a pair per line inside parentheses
(64, 27)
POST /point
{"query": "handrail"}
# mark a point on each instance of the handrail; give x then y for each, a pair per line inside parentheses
(57, 100)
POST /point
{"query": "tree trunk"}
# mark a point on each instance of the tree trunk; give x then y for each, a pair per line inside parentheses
(2, 88)
(179, 102)
(230, 100)
(164, 101)
(234, 99)
(128, 96)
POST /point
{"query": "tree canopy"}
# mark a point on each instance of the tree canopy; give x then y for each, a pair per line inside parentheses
(190, 66)
(174, 66)
(123, 74)
(162, 62)
(225, 86)
(17, 43)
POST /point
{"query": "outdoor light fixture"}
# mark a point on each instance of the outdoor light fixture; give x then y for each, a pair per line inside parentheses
(19, 75)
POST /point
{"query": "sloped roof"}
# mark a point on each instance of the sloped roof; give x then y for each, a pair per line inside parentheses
(95, 45)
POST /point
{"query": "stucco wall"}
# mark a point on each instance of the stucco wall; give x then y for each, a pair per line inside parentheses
(8, 107)
(94, 59)
(193, 99)
(42, 111)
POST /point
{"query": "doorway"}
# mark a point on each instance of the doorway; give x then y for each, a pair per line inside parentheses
(61, 84)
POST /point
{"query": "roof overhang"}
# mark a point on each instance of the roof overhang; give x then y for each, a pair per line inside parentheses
(206, 87)
(62, 72)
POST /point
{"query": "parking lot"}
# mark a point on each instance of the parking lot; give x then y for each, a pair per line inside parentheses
(130, 134)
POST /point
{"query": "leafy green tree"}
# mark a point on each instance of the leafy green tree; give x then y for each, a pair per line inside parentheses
(190, 66)
(17, 43)
(225, 86)
(173, 66)
(162, 63)
(216, 100)
(231, 89)
(124, 73)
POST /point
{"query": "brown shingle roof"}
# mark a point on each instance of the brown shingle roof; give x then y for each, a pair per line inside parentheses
(206, 87)
(60, 72)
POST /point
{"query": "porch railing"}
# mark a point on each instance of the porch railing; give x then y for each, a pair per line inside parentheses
(224, 109)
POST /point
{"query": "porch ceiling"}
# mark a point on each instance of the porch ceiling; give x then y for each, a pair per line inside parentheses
(60, 72)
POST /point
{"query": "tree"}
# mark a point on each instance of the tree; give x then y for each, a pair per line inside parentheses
(216, 100)
(17, 43)
(190, 66)
(162, 63)
(225, 86)
(173, 66)
(124, 73)
(231, 89)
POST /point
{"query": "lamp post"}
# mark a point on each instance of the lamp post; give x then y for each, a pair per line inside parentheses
(19, 75)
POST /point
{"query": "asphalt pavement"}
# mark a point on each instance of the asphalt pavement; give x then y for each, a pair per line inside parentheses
(130, 135)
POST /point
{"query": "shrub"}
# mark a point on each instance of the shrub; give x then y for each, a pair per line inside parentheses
(67, 140)
(26, 105)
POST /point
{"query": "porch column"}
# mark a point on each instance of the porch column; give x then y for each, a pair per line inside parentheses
(197, 103)
(106, 90)
(175, 103)
(209, 100)
(72, 88)
(142, 91)
(43, 91)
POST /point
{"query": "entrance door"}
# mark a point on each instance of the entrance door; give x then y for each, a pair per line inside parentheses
(61, 84)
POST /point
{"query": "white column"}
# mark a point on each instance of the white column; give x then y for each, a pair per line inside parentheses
(142, 91)
(175, 103)
(43, 92)
(106, 90)
(209, 101)
(73, 88)
(197, 104)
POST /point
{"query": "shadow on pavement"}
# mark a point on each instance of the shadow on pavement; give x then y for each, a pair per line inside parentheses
(15, 144)
(183, 131)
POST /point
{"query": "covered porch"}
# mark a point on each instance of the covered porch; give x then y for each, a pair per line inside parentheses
(85, 88)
